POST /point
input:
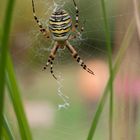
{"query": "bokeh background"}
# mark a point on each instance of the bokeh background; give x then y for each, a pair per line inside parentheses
(60, 110)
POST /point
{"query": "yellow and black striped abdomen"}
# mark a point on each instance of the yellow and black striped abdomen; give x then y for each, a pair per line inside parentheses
(60, 24)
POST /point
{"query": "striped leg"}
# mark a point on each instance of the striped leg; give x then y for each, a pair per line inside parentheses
(77, 15)
(51, 70)
(77, 21)
(51, 59)
(43, 30)
(78, 59)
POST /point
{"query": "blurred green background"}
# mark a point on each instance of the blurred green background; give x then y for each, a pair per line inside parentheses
(40, 91)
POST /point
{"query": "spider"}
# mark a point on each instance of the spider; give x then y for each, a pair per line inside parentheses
(60, 31)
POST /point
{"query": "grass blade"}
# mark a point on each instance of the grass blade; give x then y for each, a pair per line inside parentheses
(11, 81)
(8, 131)
(17, 102)
(3, 56)
(4, 135)
(109, 50)
(118, 60)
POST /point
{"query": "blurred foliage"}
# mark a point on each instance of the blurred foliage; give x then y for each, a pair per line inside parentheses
(29, 50)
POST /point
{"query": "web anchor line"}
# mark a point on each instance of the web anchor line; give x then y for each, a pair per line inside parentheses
(64, 98)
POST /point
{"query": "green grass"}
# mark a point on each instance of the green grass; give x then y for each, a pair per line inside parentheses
(17, 101)
(3, 56)
(109, 50)
(118, 60)
(11, 83)
(7, 132)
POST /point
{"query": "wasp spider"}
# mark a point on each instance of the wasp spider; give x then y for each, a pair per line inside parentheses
(60, 28)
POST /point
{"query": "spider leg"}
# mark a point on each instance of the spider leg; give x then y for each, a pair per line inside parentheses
(77, 15)
(43, 30)
(75, 27)
(77, 58)
(51, 59)
(77, 18)
(51, 70)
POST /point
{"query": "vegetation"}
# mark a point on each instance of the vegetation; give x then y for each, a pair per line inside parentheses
(8, 79)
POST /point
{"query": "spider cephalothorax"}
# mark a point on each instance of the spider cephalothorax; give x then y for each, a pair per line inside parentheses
(60, 29)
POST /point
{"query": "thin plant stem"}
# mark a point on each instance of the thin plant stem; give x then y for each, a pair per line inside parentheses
(7, 129)
(137, 15)
(118, 60)
(109, 50)
(12, 84)
(17, 101)
(3, 56)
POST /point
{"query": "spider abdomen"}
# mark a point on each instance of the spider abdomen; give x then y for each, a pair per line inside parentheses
(60, 24)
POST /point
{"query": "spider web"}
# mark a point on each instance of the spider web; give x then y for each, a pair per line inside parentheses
(84, 43)
(32, 54)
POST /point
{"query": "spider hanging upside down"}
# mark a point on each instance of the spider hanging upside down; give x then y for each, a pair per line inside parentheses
(60, 29)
